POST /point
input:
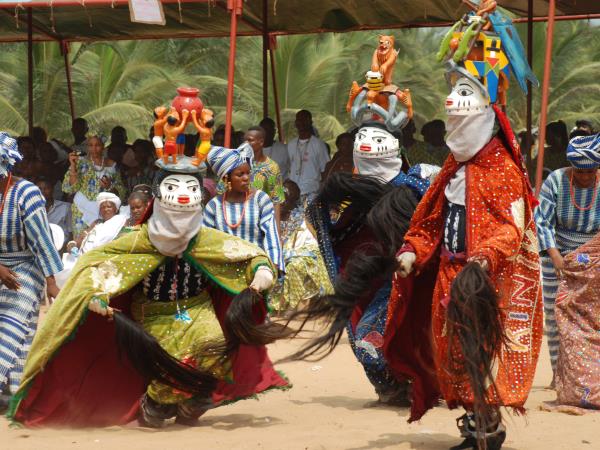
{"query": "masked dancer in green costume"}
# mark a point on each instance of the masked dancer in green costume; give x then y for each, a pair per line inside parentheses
(161, 324)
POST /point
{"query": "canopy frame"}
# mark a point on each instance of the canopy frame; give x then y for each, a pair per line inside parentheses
(261, 27)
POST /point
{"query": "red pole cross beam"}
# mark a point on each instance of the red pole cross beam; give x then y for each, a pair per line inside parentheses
(235, 8)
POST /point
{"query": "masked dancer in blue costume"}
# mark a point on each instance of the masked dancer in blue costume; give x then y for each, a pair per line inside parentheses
(358, 219)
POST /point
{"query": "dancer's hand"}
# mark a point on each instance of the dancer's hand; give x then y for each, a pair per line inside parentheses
(73, 158)
(263, 279)
(557, 261)
(9, 278)
(105, 182)
(406, 261)
(52, 289)
(482, 261)
(99, 306)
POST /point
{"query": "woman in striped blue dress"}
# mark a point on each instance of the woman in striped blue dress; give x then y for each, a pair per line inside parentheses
(28, 262)
(568, 216)
(241, 211)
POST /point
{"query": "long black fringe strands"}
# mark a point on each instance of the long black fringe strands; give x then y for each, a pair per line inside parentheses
(240, 325)
(363, 191)
(474, 322)
(152, 362)
(388, 218)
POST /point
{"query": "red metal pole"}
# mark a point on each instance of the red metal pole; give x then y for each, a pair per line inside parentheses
(30, 70)
(265, 61)
(545, 94)
(64, 48)
(275, 95)
(235, 7)
(529, 137)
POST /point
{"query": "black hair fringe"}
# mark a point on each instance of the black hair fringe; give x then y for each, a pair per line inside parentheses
(240, 325)
(388, 212)
(361, 190)
(474, 328)
(147, 356)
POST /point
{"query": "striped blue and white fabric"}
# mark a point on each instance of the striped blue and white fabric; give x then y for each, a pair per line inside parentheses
(26, 248)
(583, 152)
(561, 225)
(223, 160)
(9, 154)
(258, 225)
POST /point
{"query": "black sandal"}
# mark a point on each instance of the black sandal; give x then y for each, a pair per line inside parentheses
(153, 414)
(467, 426)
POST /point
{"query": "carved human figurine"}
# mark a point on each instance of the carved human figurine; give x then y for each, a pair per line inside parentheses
(384, 58)
(204, 125)
(172, 129)
(160, 119)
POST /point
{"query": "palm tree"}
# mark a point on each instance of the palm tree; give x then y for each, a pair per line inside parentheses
(49, 87)
(574, 84)
(120, 83)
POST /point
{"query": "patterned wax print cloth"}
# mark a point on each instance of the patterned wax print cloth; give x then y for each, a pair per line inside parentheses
(561, 225)
(306, 275)
(266, 176)
(88, 183)
(27, 249)
(578, 323)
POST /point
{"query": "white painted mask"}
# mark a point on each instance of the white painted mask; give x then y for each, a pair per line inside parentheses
(180, 192)
(466, 99)
(377, 153)
(373, 142)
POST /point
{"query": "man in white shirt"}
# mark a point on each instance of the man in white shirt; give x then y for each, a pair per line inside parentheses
(275, 150)
(308, 156)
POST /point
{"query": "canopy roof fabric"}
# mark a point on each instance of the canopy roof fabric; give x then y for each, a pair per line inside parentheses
(99, 20)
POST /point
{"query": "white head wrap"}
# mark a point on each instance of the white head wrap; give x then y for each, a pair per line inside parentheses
(108, 197)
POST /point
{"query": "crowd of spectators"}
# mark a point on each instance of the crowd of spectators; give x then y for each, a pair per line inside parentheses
(72, 175)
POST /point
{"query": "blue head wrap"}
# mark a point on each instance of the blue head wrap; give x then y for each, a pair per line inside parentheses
(583, 152)
(224, 160)
(9, 154)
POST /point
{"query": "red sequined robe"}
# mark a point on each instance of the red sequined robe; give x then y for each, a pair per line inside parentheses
(500, 227)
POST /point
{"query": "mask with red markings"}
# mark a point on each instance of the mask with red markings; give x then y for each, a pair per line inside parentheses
(181, 192)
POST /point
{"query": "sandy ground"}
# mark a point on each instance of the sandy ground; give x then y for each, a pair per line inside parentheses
(331, 406)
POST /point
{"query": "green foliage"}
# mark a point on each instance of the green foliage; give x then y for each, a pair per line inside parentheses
(120, 83)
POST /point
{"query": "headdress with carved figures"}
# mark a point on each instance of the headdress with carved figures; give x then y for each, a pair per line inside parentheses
(481, 50)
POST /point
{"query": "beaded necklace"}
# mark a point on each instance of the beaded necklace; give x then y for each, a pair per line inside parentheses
(224, 208)
(98, 173)
(572, 192)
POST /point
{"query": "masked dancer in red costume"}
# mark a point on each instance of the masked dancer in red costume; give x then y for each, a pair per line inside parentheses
(475, 227)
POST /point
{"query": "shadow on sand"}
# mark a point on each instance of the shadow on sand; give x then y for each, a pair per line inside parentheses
(421, 441)
(225, 422)
(351, 404)
(234, 421)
